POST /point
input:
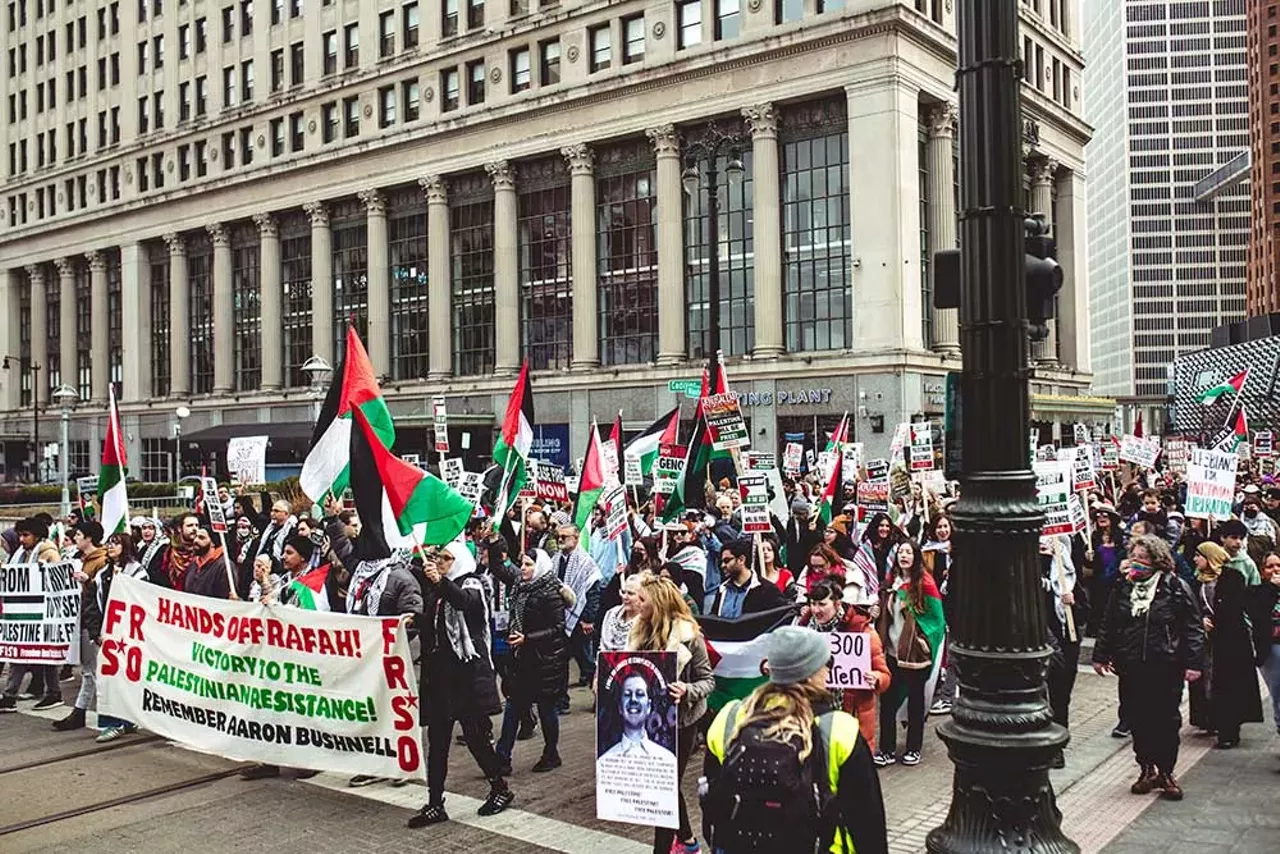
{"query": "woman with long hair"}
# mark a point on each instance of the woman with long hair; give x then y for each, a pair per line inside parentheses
(773, 572)
(1153, 638)
(1102, 562)
(665, 624)
(122, 558)
(937, 562)
(823, 563)
(883, 536)
(615, 626)
(912, 629)
(541, 658)
(789, 709)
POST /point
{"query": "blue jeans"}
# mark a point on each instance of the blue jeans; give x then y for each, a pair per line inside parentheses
(515, 711)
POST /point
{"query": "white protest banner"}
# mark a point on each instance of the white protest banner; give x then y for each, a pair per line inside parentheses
(262, 683)
(213, 505)
(1262, 444)
(1211, 483)
(921, 446)
(632, 470)
(1110, 457)
(755, 503)
(636, 779)
(471, 486)
(451, 471)
(724, 418)
(39, 613)
(1053, 486)
(551, 486)
(247, 459)
(615, 508)
(440, 420)
(1140, 451)
(1081, 434)
(791, 456)
(851, 660)
(666, 471)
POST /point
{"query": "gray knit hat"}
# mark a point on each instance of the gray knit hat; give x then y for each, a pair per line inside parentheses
(795, 654)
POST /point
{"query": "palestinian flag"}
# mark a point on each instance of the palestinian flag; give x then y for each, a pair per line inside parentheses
(616, 438)
(840, 436)
(831, 491)
(307, 590)
(111, 486)
(401, 504)
(511, 451)
(354, 386)
(737, 649)
(590, 485)
(930, 621)
(650, 441)
(1232, 386)
(1234, 432)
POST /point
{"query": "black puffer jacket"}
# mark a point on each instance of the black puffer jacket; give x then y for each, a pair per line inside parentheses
(1171, 631)
(453, 689)
(542, 662)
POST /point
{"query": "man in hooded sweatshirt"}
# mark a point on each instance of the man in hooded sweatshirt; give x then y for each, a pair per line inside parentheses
(457, 682)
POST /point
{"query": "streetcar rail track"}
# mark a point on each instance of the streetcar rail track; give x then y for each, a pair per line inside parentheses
(147, 794)
(80, 754)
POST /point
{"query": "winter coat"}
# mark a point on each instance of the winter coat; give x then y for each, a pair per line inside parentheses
(99, 588)
(1234, 683)
(861, 702)
(1170, 632)
(542, 661)
(453, 689)
(761, 596)
(1263, 600)
(207, 575)
(693, 668)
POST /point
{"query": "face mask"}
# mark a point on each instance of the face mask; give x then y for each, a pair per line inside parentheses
(1251, 512)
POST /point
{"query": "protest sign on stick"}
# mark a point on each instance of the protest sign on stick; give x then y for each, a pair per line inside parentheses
(1211, 484)
(247, 459)
(440, 421)
(724, 418)
(850, 661)
(40, 613)
(262, 683)
(1140, 451)
(755, 503)
(551, 485)
(1053, 486)
(451, 471)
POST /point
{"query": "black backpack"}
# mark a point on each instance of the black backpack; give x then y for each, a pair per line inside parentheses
(766, 800)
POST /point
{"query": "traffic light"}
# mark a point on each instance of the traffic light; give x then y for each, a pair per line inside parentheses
(1043, 276)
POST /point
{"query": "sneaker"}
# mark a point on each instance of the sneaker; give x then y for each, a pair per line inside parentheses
(47, 703)
(111, 733)
(1121, 731)
(911, 757)
(8, 705)
(498, 800)
(429, 814)
(1146, 781)
(260, 772)
(548, 762)
(67, 675)
(1169, 788)
(882, 759)
(75, 720)
(526, 731)
(361, 780)
(26, 695)
(401, 781)
(940, 707)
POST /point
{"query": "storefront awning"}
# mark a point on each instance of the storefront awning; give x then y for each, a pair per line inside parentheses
(275, 430)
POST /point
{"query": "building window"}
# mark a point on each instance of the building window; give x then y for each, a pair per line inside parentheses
(386, 106)
(24, 342)
(735, 245)
(297, 131)
(184, 41)
(277, 69)
(601, 47)
(83, 380)
(787, 11)
(295, 278)
(229, 86)
(277, 12)
(407, 229)
(329, 45)
(546, 274)
(475, 82)
(246, 18)
(475, 14)
(471, 286)
(53, 376)
(202, 161)
(728, 19)
(632, 39)
(329, 121)
(350, 281)
(228, 24)
(626, 215)
(519, 7)
(519, 70)
(202, 36)
(409, 95)
(351, 40)
(202, 95)
(184, 103)
(816, 249)
(248, 308)
(246, 146)
(246, 81)
(297, 63)
(199, 266)
(549, 72)
(157, 459)
(449, 93)
(410, 20)
(386, 34)
(689, 23)
(115, 332)
(449, 18)
(277, 137)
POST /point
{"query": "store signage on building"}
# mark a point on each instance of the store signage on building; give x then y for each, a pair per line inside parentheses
(691, 388)
(551, 443)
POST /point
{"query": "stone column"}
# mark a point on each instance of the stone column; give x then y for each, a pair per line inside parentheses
(179, 318)
(379, 271)
(884, 127)
(67, 338)
(271, 299)
(940, 153)
(586, 311)
(11, 329)
(1073, 301)
(99, 322)
(321, 281)
(439, 286)
(224, 308)
(506, 269)
(1041, 202)
(39, 333)
(135, 302)
(766, 203)
(670, 238)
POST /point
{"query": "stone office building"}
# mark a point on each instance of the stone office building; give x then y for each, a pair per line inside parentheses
(201, 195)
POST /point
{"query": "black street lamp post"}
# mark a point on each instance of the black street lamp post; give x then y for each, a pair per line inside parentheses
(1001, 735)
(704, 150)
